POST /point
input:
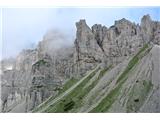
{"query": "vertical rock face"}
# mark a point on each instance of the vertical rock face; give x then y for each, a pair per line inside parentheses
(147, 26)
(112, 45)
(150, 30)
(121, 40)
(53, 66)
(37, 74)
(16, 79)
(42, 81)
(156, 34)
(87, 53)
(64, 66)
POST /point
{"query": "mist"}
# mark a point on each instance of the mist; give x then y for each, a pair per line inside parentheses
(23, 28)
(54, 40)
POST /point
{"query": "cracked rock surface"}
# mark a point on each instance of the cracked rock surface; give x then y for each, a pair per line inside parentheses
(37, 74)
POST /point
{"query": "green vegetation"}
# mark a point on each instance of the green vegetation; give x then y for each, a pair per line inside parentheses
(75, 96)
(138, 95)
(147, 85)
(69, 106)
(66, 86)
(132, 63)
(39, 86)
(75, 99)
(107, 102)
(41, 62)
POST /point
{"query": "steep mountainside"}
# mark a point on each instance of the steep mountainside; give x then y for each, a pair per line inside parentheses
(114, 69)
(131, 86)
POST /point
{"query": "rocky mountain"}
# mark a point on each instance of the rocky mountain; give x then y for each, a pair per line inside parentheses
(112, 69)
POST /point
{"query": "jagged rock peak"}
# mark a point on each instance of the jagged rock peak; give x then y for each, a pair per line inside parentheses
(82, 24)
(146, 18)
(146, 21)
(98, 27)
(122, 21)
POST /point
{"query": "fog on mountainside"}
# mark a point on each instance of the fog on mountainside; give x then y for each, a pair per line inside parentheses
(113, 69)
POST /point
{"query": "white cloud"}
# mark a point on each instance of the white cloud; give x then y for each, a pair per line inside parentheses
(24, 27)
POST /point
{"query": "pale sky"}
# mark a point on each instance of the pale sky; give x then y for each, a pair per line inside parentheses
(24, 27)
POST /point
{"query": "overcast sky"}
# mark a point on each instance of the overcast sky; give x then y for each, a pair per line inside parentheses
(24, 27)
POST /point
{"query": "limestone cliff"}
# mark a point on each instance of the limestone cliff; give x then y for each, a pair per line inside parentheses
(107, 46)
(41, 73)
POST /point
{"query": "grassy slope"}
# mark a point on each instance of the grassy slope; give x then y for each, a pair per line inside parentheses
(66, 86)
(75, 88)
(107, 102)
(74, 100)
(138, 95)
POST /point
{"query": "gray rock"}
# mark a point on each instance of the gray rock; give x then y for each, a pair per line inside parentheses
(36, 74)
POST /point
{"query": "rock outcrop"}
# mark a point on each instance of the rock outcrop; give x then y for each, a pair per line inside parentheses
(107, 46)
(37, 74)
(131, 86)
(87, 51)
